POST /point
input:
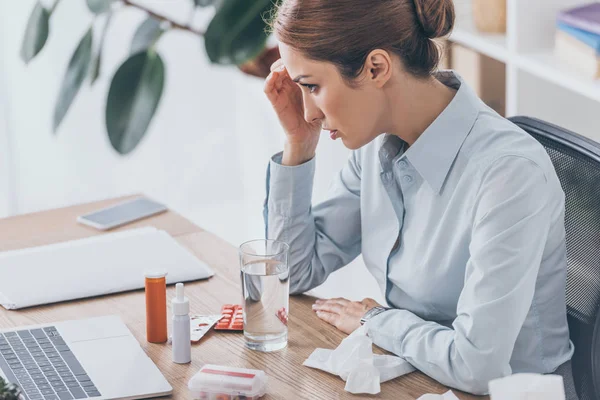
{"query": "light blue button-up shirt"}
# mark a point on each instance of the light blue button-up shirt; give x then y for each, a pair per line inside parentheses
(463, 231)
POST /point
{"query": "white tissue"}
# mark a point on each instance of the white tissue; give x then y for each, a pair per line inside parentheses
(528, 386)
(446, 396)
(517, 387)
(353, 361)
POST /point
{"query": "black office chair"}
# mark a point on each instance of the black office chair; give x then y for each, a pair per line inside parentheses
(577, 163)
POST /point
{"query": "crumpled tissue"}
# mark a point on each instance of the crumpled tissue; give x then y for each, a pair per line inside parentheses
(522, 386)
(528, 386)
(353, 361)
(446, 396)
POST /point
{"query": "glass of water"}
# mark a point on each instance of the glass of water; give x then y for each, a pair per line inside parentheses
(265, 291)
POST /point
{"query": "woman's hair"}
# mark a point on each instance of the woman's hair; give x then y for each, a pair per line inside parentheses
(344, 32)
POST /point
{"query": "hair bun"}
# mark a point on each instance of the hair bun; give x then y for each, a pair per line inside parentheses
(436, 17)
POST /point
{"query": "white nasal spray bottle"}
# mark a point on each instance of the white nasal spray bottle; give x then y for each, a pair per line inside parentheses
(182, 347)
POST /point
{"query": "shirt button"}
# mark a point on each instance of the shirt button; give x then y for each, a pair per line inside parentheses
(403, 164)
(407, 178)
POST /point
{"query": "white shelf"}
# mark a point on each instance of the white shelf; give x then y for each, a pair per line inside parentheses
(546, 65)
(492, 45)
(538, 84)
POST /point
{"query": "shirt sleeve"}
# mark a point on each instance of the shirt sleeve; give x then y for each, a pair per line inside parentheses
(512, 214)
(322, 238)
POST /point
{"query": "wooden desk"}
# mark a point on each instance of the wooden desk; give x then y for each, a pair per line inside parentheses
(288, 379)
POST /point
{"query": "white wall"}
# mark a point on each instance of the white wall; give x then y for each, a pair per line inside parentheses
(6, 183)
(204, 155)
(5, 172)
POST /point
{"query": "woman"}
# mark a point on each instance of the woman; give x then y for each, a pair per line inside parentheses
(457, 212)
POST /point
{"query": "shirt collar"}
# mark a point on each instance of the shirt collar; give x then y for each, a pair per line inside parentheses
(434, 152)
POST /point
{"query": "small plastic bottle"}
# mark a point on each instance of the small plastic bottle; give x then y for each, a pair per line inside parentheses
(182, 347)
(156, 306)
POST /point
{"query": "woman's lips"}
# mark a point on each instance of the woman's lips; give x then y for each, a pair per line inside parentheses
(333, 134)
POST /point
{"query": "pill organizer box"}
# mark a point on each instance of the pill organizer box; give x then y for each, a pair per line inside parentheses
(216, 382)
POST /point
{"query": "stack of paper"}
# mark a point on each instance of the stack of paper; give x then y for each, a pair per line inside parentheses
(99, 265)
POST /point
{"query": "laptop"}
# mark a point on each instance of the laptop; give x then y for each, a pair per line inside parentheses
(96, 358)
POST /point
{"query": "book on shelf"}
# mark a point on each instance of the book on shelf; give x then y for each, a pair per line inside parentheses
(586, 17)
(590, 39)
(578, 49)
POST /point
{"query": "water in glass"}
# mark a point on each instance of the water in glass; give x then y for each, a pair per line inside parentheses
(265, 286)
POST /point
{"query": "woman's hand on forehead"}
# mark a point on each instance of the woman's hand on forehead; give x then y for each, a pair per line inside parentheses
(276, 64)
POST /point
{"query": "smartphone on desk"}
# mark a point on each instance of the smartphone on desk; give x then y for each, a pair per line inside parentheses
(121, 214)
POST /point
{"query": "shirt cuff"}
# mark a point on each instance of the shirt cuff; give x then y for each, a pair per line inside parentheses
(388, 329)
(290, 187)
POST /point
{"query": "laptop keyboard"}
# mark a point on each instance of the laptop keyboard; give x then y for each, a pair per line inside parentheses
(42, 365)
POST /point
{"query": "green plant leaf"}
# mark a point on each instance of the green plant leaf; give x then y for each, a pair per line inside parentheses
(97, 60)
(36, 32)
(134, 94)
(237, 33)
(74, 76)
(145, 35)
(9, 391)
(99, 6)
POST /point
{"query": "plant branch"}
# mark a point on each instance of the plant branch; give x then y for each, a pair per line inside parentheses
(159, 17)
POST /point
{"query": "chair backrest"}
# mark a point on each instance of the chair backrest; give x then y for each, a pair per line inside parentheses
(577, 163)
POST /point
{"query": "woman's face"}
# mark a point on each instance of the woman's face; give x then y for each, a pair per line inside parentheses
(354, 113)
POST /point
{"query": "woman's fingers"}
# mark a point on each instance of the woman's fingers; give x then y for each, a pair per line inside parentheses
(341, 301)
(338, 300)
(279, 69)
(275, 81)
(269, 83)
(341, 313)
(280, 78)
(328, 317)
(329, 306)
(287, 82)
(273, 86)
(276, 64)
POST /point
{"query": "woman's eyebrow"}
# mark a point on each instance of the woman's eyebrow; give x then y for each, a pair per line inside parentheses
(296, 79)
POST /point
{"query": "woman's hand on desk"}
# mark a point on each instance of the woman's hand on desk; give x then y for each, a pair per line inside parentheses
(343, 314)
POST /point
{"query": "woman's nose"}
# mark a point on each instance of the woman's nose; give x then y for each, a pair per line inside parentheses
(311, 112)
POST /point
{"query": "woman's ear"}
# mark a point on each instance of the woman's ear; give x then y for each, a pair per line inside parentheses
(378, 67)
